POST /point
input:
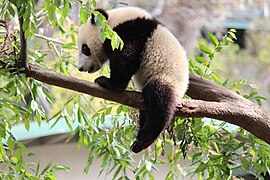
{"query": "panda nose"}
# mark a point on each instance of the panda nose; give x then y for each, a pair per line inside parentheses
(81, 69)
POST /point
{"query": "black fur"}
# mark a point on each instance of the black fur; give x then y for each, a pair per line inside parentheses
(102, 11)
(159, 98)
(125, 63)
(160, 104)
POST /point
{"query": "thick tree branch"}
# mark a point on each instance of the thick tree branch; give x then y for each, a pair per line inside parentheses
(129, 98)
(213, 100)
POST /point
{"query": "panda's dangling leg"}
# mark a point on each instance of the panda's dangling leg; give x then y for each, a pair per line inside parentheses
(160, 104)
(142, 118)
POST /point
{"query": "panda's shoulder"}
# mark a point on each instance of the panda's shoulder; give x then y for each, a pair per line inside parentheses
(127, 14)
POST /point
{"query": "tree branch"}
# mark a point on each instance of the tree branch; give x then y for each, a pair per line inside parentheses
(23, 54)
(212, 100)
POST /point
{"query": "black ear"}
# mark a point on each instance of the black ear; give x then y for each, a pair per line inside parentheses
(102, 11)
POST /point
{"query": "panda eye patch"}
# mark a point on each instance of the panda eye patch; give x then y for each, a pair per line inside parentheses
(86, 50)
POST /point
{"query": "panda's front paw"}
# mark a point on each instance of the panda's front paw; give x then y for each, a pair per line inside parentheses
(103, 82)
(109, 84)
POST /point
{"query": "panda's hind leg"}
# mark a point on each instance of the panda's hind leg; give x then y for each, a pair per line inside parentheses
(142, 118)
(160, 104)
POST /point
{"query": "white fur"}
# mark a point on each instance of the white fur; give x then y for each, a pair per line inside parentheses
(89, 35)
(164, 58)
(120, 15)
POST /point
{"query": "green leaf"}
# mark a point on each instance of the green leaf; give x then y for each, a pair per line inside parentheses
(211, 175)
(89, 163)
(67, 6)
(14, 160)
(56, 121)
(254, 86)
(232, 30)
(61, 168)
(94, 3)
(11, 11)
(18, 3)
(108, 110)
(229, 39)
(99, 18)
(218, 49)
(11, 144)
(200, 59)
(225, 41)
(27, 124)
(245, 163)
(196, 155)
(27, 13)
(22, 147)
(57, 3)
(117, 172)
(216, 77)
(19, 163)
(75, 132)
(48, 166)
(68, 123)
(205, 49)
(233, 35)
(201, 167)
(261, 97)
(200, 71)
(105, 161)
(2, 152)
(213, 39)
(119, 109)
(3, 132)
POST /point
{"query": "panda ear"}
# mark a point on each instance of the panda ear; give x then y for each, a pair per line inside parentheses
(103, 12)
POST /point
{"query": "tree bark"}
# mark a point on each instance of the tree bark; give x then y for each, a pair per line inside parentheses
(23, 54)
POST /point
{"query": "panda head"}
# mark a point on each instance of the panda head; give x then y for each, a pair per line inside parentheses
(91, 55)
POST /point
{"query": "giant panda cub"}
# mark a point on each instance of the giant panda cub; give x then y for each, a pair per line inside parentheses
(151, 55)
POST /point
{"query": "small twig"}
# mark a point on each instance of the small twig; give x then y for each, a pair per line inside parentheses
(49, 39)
(23, 54)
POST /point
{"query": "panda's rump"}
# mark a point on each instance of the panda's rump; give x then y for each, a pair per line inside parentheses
(164, 59)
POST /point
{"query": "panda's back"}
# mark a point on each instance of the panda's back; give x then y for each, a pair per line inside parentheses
(162, 57)
(121, 15)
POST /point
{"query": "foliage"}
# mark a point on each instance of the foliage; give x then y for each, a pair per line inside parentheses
(249, 63)
(215, 150)
(227, 156)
